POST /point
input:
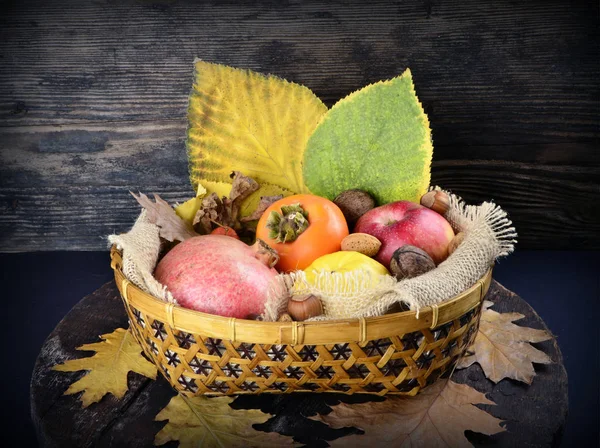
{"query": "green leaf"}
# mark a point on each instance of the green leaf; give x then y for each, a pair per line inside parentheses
(244, 121)
(376, 139)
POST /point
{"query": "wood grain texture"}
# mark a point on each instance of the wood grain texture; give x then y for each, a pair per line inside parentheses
(93, 99)
(534, 414)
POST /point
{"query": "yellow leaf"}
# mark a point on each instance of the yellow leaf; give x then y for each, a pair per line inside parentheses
(437, 417)
(211, 422)
(502, 348)
(251, 202)
(188, 209)
(221, 188)
(244, 121)
(117, 355)
(200, 191)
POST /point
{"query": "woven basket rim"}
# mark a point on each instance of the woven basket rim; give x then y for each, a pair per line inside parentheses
(314, 332)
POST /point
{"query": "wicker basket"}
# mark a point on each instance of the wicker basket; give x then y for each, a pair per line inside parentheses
(200, 353)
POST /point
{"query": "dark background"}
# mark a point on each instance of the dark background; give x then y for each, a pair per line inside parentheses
(93, 98)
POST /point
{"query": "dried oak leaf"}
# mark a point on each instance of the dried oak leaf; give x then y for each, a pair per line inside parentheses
(116, 356)
(502, 348)
(437, 417)
(211, 210)
(264, 203)
(211, 422)
(225, 211)
(242, 187)
(172, 227)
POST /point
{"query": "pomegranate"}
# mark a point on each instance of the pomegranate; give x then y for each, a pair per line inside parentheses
(218, 274)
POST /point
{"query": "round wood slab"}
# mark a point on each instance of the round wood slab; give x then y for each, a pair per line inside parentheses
(534, 415)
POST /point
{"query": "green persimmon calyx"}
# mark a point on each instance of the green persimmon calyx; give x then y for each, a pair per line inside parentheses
(288, 225)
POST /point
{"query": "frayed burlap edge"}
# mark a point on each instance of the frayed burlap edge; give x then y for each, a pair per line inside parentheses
(140, 248)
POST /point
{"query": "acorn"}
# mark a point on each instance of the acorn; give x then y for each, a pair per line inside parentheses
(304, 307)
(353, 204)
(361, 242)
(438, 201)
(410, 261)
(455, 242)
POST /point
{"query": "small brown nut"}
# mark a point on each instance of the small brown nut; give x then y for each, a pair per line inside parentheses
(285, 317)
(455, 242)
(353, 204)
(305, 307)
(410, 261)
(438, 201)
(361, 242)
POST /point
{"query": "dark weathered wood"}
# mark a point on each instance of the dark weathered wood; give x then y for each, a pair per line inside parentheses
(98, 313)
(93, 98)
(534, 414)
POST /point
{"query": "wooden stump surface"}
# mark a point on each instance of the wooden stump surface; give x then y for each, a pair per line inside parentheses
(534, 415)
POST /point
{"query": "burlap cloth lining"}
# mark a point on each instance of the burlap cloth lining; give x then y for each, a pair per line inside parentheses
(488, 235)
(140, 248)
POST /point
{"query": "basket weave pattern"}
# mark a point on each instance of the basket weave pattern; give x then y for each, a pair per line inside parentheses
(213, 360)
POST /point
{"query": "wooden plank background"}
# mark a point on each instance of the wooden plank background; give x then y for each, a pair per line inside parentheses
(93, 98)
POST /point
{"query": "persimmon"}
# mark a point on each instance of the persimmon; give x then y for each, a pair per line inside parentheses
(302, 228)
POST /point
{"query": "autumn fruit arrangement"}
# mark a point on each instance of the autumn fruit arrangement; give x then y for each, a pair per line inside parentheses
(314, 256)
(217, 273)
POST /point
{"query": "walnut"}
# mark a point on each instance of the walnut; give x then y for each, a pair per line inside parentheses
(410, 261)
(353, 204)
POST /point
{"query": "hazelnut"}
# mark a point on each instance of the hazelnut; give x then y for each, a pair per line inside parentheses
(304, 307)
(361, 242)
(455, 242)
(353, 204)
(410, 261)
(285, 317)
(438, 201)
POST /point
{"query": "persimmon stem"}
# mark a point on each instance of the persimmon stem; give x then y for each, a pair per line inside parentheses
(288, 225)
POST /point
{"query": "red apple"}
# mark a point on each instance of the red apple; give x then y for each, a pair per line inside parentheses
(404, 222)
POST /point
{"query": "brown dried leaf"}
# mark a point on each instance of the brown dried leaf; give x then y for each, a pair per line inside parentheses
(225, 211)
(172, 227)
(437, 417)
(265, 203)
(242, 187)
(211, 422)
(502, 348)
(211, 210)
